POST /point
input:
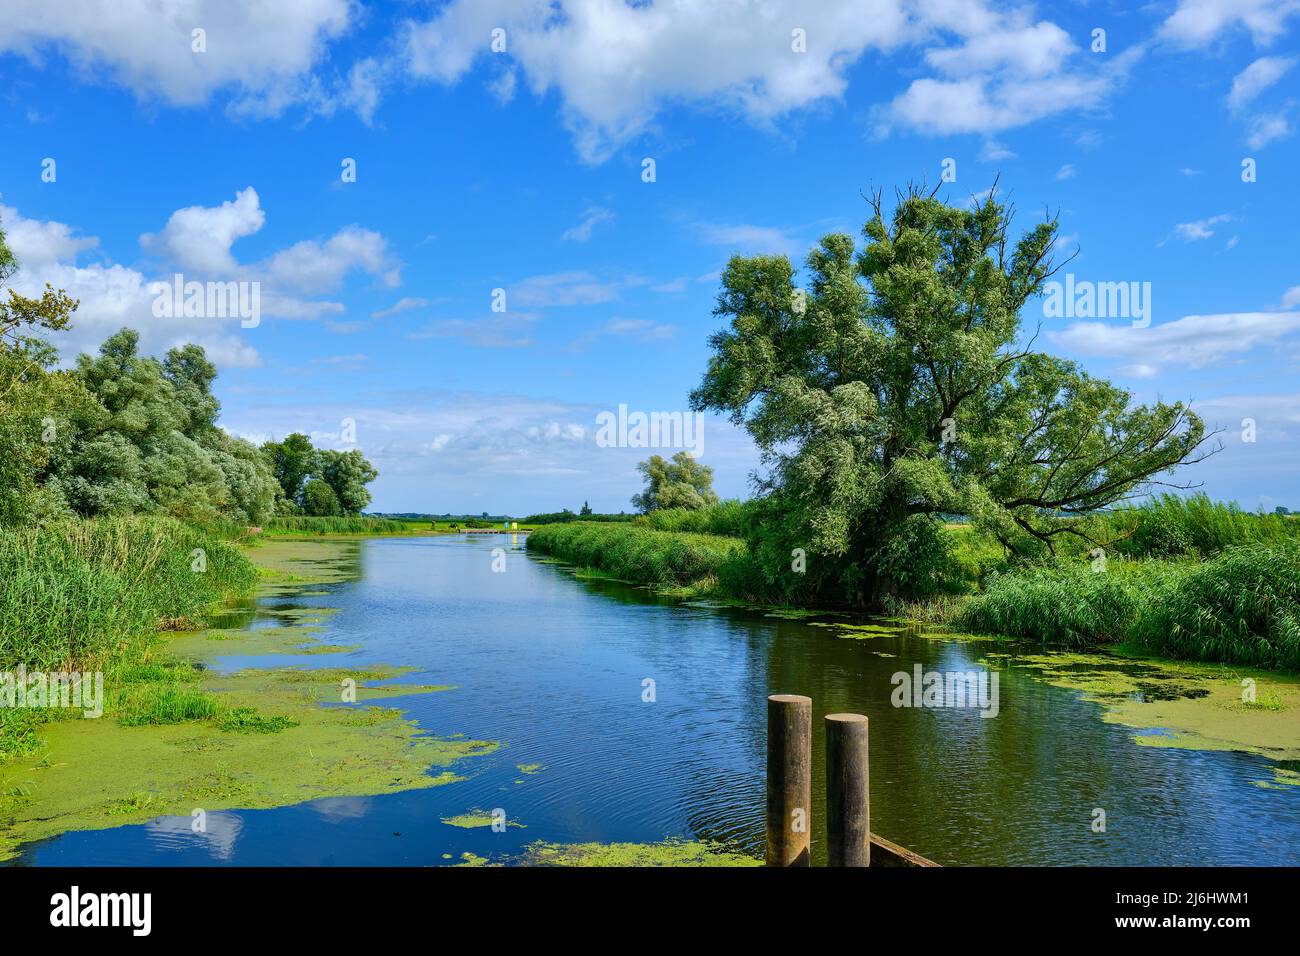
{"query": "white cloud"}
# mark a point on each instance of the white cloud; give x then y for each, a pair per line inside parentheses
(1256, 78)
(262, 54)
(999, 71)
(747, 238)
(993, 151)
(643, 330)
(1066, 172)
(1267, 127)
(1138, 370)
(404, 304)
(199, 240)
(614, 64)
(593, 217)
(1197, 23)
(562, 289)
(1199, 228)
(37, 243)
(314, 267)
(496, 331)
(1194, 340)
(200, 237)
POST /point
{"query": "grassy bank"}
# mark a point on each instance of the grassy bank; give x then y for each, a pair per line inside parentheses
(1182, 578)
(93, 595)
(639, 554)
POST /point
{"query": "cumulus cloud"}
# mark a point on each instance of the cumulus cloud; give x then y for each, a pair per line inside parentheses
(614, 65)
(38, 244)
(200, 237)
(197, 241)
(1197, 23)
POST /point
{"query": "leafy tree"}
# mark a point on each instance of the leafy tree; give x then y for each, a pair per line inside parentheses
(586, 509)
(318, 499)
(348, 473)
(36, 402)
(898, 387)
(681, 482)
(293, 461)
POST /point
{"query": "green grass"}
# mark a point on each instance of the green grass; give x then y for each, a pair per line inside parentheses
(729, 518)
(246, 720)
(638, 554)
(167, 705)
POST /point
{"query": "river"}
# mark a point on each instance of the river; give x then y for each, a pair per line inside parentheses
(555, 668)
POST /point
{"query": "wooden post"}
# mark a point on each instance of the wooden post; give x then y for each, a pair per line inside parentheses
(789, 779)
(848, 795)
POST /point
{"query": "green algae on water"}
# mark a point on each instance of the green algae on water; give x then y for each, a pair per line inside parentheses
(671, 853)
(475, 819)
(1196, 706)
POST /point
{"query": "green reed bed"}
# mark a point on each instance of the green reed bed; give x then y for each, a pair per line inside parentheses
(81, 593)
(1241, 606)
(354, 524)
(636, 553)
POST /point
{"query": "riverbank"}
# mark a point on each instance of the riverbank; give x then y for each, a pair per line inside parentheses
(1237, 602)
(176, 735)
(300, 525)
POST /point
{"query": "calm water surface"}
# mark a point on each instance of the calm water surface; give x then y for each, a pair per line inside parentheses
(553, 668)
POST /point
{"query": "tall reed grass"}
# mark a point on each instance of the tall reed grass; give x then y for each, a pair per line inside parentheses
(1241, 606)
(730, 518)
(348, 524)
(80, 594)
(636, 553)
(1172, 525)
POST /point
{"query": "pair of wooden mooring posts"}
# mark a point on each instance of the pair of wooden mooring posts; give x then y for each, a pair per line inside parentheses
(848, 796)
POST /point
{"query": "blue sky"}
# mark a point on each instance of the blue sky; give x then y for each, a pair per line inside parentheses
(522, 170)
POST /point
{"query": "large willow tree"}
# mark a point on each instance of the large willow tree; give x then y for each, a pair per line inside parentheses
(900, 386)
